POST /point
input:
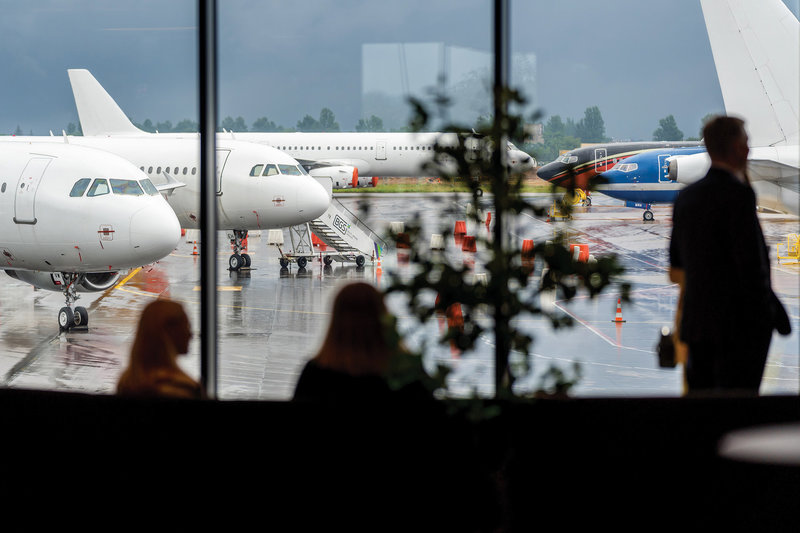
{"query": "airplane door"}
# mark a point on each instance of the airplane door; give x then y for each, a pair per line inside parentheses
(25, 198)
(600, 163)
(663, 167)
(222, 158)
(380, 150)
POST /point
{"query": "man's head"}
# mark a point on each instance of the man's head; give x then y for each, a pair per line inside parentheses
(726, 142)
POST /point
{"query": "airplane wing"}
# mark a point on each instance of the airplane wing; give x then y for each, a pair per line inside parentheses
(170, 185)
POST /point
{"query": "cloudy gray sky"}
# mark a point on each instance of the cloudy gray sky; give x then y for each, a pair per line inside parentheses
(638, 60)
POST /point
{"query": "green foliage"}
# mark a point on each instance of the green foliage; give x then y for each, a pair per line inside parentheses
(491, 306)
(556, 139)
(591, 128)
(373, 123)
(264, 124)
(326, 122)
(667, 130)
(231, 124)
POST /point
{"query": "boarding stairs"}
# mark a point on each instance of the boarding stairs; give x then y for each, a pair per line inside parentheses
(352, 240)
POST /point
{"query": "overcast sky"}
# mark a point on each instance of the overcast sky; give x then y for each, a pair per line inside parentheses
(638, 60)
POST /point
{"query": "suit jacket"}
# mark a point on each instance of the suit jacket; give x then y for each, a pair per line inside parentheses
(717, 241)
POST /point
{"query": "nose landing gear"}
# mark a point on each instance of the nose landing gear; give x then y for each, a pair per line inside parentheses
(238, 260)
(67, 318)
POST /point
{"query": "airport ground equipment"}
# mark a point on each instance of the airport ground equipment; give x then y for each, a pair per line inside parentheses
(792, 253)
(352, 240)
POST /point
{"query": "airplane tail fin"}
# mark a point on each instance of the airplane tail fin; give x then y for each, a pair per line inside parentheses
(98, 113)
(755, 46)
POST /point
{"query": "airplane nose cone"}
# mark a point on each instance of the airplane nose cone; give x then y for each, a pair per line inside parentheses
(155, 232)
(520, 161)
(313, 201)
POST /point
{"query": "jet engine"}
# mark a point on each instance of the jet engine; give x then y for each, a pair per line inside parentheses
(54, 281)
(367, 181)
(343, 176)
(688, 168)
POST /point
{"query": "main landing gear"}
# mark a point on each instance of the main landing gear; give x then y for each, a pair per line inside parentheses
(67, 317)
(238, 260)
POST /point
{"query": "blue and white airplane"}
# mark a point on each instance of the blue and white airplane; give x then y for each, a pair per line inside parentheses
(643, 179)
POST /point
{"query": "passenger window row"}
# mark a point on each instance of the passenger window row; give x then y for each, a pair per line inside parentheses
(169, 170)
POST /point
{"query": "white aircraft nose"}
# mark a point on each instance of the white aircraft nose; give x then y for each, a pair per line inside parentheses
(520, 161)
(155, 232)
(313, 200)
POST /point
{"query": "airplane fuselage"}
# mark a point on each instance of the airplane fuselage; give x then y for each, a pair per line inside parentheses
(245, 201)
(577, 167)
(75, 209)
(644, 178)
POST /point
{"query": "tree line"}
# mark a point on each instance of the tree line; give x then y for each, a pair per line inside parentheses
(560, 135)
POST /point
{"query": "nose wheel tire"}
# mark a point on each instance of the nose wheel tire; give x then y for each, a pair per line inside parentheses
(648, 216)
(81, 317)
(66, 318)
(247, 260)
(235, 262)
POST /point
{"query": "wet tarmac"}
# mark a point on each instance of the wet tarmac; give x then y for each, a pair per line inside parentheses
(270, 322)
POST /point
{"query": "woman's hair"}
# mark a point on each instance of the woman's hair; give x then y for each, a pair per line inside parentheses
(356, 342)
(153, 348)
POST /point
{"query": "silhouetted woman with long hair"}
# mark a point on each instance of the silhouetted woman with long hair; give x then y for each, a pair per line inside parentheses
(356, 352)
(162, 336)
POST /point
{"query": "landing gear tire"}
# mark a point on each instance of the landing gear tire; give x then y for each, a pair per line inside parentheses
(284, 262)
(235, 262)
(360, 261)
(479, 192)
(81, 317)
(246, 259)
(301, 262)
(327, 260)
(66, 318)
(588, 201)
(648, 216)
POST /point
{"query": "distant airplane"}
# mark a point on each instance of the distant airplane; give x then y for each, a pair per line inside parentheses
(349, 159)
(755, 45)
(583, 164)
(643, 179)
(257, 187)
(73, 217)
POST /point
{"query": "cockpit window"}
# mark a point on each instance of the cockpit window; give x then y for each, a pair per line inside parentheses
(256, 170)
(126, 187)
(289, 170)
(148, 187)
(303, 170)
(270, 170)
(98, 188)
(80, 187)
(568, 159)
(626, 167)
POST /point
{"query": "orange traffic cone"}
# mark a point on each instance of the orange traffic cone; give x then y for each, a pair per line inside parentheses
(618, 318)
(194, 252)
(488, 219)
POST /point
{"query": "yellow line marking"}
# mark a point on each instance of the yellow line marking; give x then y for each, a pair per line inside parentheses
(128, 277)
(221, 288)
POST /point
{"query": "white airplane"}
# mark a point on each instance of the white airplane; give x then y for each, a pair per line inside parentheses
(257, 187)
(341, 156)
(73, 217)
(755, 45)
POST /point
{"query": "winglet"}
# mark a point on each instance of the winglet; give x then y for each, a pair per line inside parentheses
(98, 113)
(755, 43)
(170, 185)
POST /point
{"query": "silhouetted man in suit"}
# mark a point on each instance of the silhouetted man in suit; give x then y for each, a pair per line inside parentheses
(719, 257)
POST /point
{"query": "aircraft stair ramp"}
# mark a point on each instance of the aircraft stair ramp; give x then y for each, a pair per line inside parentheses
(338, 228)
